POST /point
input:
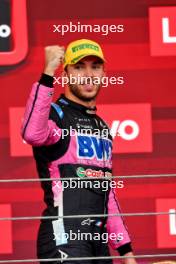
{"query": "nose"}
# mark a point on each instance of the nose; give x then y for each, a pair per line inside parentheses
(88, 72)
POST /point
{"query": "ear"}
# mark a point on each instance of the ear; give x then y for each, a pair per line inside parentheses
(64, 73)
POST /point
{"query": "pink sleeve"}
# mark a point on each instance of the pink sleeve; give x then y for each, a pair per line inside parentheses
(37, 129)
(115, 224)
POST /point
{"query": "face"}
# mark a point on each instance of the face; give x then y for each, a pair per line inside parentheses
(89, 67)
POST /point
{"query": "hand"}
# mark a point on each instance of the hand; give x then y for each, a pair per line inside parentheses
(129, 260)
(54, 56)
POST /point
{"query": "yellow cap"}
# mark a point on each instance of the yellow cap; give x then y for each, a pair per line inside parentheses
(81, 48)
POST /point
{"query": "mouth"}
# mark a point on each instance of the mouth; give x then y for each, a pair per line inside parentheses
(88, 87)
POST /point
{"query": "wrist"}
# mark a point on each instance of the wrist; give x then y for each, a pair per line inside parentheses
(49, 71)
(46, 80)
(124, 249)
(130, 259)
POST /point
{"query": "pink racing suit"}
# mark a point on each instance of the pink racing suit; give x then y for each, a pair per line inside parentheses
(69, 141)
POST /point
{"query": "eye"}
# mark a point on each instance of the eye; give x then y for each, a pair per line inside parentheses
(96, 66)
(78, 66)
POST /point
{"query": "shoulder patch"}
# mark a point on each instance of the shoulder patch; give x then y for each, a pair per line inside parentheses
(58, 109)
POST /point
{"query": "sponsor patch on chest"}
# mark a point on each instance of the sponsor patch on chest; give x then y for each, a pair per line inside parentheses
(90, 147)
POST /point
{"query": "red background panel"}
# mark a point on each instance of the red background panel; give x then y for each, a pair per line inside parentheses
(166, 224)
(134, 126)
(18, 147)
(157, 31)
(19, 34)
(5, 229)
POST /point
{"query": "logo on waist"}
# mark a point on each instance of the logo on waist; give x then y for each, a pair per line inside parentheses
(81, 172)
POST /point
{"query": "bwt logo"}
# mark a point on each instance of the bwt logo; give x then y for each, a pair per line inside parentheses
(162, 21)
(13, 32)
(90, 147)
(166, 224)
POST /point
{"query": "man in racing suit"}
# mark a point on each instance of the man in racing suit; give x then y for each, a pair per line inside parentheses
(79, 154)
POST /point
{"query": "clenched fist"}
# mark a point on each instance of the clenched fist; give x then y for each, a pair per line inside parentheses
(54, 56)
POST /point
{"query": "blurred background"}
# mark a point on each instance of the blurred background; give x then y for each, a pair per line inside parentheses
(143, 109)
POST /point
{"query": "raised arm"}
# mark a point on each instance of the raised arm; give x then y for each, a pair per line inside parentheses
(36, 128)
